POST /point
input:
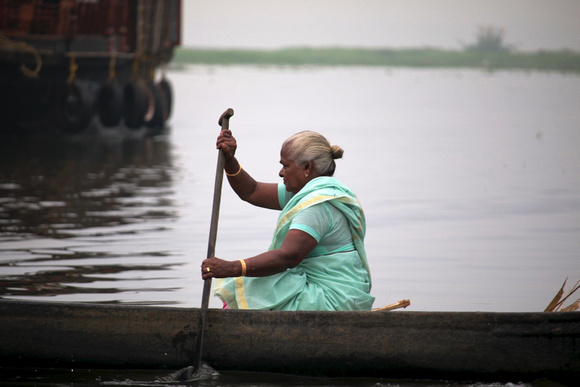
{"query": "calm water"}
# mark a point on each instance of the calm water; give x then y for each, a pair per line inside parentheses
(470, 183)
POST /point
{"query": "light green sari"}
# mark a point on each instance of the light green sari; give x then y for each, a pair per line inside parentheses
(336, 281)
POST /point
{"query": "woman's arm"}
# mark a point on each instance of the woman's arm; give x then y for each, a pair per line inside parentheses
(254, 192)
(294, 249)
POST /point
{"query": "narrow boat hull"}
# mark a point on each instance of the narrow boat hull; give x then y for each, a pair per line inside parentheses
(456, 345)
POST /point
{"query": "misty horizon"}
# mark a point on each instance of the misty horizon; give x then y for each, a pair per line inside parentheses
(391, 24)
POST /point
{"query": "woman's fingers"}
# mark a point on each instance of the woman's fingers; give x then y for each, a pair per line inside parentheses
(206, 272)
(226, 143)
(216, 268)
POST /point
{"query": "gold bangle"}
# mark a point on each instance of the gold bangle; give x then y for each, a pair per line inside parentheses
(243, 267)
(234, 174)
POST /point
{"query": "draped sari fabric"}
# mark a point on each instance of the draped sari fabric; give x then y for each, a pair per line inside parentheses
(334, 281)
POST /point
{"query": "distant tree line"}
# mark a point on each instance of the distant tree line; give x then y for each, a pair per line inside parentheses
(489, 39)
(489, 51)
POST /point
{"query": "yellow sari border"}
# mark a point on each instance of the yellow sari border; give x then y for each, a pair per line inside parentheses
(241, 293)
(307, 203)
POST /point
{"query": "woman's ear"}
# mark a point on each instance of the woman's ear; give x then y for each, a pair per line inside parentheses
(308, 168)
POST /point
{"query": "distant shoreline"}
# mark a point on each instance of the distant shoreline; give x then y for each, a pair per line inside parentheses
(561, 61)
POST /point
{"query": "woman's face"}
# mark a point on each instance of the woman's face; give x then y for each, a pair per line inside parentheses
(294, 176)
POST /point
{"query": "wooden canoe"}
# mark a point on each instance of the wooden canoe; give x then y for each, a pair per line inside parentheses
(435, 345)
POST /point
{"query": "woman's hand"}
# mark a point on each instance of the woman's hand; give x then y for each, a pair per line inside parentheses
(220, 268)
(227, 144)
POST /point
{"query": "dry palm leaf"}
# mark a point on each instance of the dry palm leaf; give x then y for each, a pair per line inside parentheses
(572, 307)
(554, 303)
(557, 302)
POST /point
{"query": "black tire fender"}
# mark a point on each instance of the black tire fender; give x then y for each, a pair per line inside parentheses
(73, 108)
(110, 104)
(166, 92)
(155, 115)
(135, 104)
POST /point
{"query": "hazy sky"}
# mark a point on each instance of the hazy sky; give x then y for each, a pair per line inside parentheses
(529, 24)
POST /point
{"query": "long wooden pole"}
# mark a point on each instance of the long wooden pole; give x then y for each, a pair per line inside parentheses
(224, 121)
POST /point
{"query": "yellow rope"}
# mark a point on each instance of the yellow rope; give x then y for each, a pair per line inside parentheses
(73, 67)
(135, 68)
(112, 73)
(18, 46)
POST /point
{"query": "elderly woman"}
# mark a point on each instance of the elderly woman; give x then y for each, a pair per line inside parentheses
(317, 259)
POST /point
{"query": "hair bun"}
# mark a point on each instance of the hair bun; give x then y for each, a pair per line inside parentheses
(337, 152)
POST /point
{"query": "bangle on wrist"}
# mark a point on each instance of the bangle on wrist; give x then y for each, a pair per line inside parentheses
(243, 267)
(234, 174)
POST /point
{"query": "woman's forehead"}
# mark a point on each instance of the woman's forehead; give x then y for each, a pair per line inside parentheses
(284, 159)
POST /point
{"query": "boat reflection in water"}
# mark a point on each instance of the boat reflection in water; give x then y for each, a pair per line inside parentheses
(74, 215)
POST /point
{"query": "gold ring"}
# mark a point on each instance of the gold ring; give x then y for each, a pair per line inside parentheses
(207, 269)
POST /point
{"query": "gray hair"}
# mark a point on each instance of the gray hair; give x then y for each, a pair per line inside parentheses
(306, 146)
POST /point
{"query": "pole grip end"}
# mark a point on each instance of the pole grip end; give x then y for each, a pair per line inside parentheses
(225, 118)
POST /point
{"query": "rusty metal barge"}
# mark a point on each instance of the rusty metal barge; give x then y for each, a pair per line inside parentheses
(68, 64)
